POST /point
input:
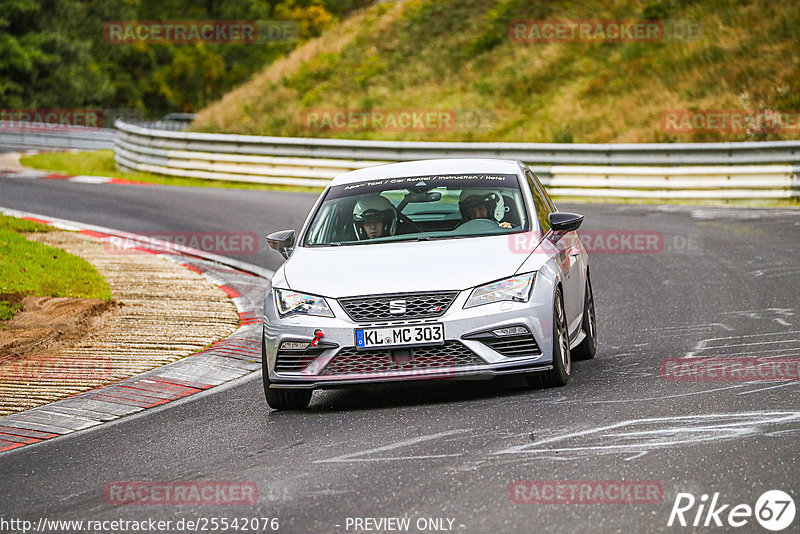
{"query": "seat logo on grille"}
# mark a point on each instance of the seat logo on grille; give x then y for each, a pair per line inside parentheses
(397, 307)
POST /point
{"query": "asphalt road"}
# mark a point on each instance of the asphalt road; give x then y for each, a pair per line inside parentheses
(724, 283)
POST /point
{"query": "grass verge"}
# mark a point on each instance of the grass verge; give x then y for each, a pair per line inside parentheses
(500, 84)
(101, 163)
(30, 268)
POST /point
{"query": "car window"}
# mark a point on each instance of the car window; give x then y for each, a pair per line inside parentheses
(541, 202)
(545, 194)
(419, 208)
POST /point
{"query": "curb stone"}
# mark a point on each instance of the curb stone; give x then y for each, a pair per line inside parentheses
(228, 359)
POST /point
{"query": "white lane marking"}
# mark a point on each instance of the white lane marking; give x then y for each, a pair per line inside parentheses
(676, 395)
(698, 347)
(781, 333)
(782, 352)
(641, 437)
(390, 459)
(766, 388)
(774, 272)
(759, 314)
(706, 344)
(353, 457)
(753, 343)
(783, 432)
(688, 328)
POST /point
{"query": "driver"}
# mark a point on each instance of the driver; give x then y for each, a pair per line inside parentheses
(482, 204)
(374, 216)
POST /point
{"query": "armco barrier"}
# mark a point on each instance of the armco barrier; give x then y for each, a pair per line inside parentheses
(730, 182)
(681, 170)
(541, 153)
(46, 138)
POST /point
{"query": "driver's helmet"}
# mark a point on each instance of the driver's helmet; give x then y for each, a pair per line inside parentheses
(491, 199)
(371, 208)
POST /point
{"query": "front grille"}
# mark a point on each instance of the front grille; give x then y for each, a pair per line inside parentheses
(523, 345)
(352, 361)
(417, 306)
(294, 360)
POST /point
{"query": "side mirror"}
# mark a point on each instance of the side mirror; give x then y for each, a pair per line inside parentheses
(562, 221)
(282, 241)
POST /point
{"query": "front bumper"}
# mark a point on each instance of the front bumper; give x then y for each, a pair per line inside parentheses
(336, 363)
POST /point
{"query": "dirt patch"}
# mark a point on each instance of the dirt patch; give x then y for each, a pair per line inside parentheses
(12, 298)
(164, 313)
(47, 324)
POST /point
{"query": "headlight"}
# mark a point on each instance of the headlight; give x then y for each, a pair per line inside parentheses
(516, 288)
(293, 303)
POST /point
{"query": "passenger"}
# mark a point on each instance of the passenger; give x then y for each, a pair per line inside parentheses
(482, 204)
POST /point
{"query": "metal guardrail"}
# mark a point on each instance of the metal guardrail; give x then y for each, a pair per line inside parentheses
(47, 137)
(730, 182)
(685, 170)
(541, 153)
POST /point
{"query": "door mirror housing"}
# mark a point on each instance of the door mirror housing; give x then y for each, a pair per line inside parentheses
(282, 241)
(563, 221)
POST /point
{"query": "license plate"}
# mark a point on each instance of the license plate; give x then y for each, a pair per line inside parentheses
(400, 336)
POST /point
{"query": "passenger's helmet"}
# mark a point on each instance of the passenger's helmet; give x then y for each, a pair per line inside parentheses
(374, 207)
(492, 200)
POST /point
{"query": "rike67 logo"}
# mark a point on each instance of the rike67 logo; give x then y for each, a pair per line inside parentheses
(774, 510)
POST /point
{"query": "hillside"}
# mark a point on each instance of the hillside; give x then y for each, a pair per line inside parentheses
(459, 57)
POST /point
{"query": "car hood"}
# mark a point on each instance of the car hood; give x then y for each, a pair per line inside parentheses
(401, 267)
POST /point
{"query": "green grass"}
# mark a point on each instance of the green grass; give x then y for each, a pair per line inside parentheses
(101, 163)
(30, 268)
(8, 309)
(12, 224)
(457, 55)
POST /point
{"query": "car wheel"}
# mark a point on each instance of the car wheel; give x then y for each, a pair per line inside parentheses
(588, 347)
(562, 361)
(282, 399)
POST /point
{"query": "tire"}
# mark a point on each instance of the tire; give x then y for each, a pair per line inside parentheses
(562, 360)
(588, 347)
(282, 399)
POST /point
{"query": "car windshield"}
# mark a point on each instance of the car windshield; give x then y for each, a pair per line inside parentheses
(419, 208)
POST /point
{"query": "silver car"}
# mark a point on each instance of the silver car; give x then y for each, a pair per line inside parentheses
(437, 269)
